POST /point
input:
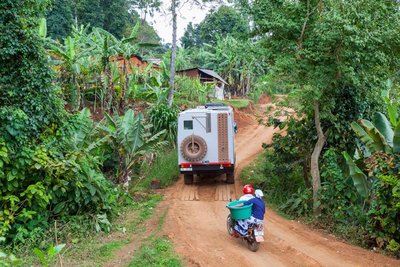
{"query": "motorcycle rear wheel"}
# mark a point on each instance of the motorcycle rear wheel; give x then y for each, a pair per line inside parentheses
(253, 245)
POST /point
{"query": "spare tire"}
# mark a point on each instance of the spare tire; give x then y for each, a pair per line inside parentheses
(193, 148)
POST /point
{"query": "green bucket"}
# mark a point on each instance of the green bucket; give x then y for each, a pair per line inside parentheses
(241, 212)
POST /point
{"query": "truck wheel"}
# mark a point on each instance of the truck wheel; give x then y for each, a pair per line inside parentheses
(188, 178)
(193, 148)
(230, 178)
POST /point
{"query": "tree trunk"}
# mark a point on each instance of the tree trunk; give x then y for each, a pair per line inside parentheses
(173, 55)
(110, 89)
(314, 168)
(306, 168)
(248, 83)
(124, 90)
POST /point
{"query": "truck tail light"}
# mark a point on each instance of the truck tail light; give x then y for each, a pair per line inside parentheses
(186, 165)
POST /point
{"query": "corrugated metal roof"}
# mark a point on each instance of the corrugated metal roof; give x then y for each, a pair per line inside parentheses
(208, 72)
(213, 74)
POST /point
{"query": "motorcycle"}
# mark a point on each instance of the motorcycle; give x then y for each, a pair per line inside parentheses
(254, 236)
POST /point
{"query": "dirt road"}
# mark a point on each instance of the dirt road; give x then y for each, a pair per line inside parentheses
(197, 215)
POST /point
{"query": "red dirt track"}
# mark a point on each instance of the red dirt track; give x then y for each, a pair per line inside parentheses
(196, 222)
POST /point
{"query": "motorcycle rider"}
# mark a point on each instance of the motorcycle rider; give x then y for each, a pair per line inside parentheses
(248, 192)
(257, 213)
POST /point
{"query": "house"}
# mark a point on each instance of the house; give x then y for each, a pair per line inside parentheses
(206, 76)
(135, 61)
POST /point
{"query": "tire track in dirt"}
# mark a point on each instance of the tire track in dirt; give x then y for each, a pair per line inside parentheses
(223, 192)
(198, 228)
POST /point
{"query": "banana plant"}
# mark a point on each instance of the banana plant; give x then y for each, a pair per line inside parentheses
(131, 140)
(360, 180)
(70, 54)
(380, 135)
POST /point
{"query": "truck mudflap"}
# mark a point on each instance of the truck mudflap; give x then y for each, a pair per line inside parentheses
(212, 167)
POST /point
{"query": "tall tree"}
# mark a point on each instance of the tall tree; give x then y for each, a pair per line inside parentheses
(60, 18)
(89, 12)
(116, 16)
(29, 103)
(174, 4)
(191, 36)
(112, 15)
(337, 53)
(218, 23)
(146, 7)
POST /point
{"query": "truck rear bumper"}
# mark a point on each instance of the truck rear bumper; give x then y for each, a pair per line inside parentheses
(221, 168)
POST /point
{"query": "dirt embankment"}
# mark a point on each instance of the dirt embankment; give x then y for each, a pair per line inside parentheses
(196, 222)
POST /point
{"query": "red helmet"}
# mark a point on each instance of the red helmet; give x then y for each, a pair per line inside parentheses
(248, 189)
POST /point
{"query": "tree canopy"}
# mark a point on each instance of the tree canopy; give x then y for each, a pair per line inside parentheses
(221, 22)
(115, 16)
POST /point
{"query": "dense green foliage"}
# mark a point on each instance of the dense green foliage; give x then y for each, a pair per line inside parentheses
(49, 162)
(218, 23)
(114, 16)
(69, 138)
(222, 42)
(29, 103)
(334, 55)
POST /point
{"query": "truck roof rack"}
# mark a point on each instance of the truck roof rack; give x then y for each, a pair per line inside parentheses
(214, 105)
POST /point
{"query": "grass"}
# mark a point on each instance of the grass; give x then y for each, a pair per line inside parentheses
(105, 252)
(157, 251)
(254, 173)
(100, 249)
(237, 103)
(146, 210)
(164, 169)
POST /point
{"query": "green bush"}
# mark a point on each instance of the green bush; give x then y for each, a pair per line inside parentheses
(384, 209)
(339, 198)
(165, 118)
(265, 174)
(192, 90)
(57, 177)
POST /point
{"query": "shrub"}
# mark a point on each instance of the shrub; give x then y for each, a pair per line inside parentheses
(55, 178)
(165, 118)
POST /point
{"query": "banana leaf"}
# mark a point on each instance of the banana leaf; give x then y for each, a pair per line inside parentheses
(384, 127)
(365, 138)
(396, 139)
(378, 142)
(393, 114)
(359, 178)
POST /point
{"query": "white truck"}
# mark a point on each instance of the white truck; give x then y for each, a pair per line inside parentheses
(206, 142)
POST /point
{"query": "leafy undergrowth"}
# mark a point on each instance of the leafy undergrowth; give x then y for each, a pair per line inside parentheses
(87, 247)
(254, 174)
(101, 248)
(294, 205)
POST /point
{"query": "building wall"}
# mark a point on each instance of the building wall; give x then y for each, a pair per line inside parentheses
(194, 73)
(134, 62)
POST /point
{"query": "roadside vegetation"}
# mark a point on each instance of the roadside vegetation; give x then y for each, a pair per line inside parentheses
(337, 163)
(85, 132)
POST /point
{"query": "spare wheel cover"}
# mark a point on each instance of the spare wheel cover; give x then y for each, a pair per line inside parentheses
(193, 148)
